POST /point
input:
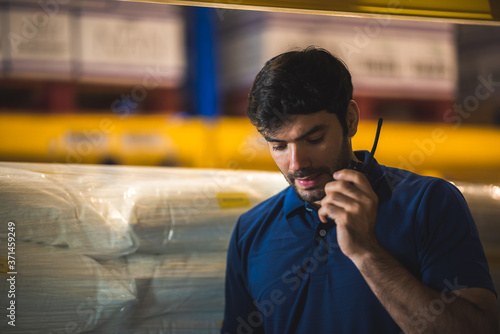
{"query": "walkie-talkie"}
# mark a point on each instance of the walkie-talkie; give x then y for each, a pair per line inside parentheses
(365, 167)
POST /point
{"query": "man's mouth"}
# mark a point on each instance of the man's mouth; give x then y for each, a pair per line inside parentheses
(311, 181)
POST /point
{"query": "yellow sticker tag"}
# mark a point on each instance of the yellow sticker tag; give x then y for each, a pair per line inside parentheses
(233, 200)
(3, 266)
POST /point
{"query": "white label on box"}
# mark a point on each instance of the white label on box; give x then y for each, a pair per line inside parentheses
(36, 35)
(3, 38)
(382, 57)
(132, 42)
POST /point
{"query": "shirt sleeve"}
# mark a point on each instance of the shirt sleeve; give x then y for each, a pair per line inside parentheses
(450, 251)
(240, 311)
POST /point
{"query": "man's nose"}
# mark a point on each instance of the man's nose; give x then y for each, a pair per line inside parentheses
(299, 158)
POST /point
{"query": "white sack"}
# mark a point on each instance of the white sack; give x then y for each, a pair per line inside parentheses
(484, 204)
(198, 212)
(53, 207)
(93, 209)
(180, 323)
(57, 291)
(178, 283)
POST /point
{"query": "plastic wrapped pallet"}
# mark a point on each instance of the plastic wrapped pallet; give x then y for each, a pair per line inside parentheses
(180, 214)
(148, 244)
(484, 204)
(172, 215)
(176, 294)
(109, 211)
(180, 323)
(192, 282)
(58, 209)
(57, 291)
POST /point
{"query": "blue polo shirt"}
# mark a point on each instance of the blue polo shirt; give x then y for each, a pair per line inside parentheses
(287, 274)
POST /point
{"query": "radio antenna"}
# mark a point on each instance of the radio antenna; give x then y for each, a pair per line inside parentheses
(368, 164)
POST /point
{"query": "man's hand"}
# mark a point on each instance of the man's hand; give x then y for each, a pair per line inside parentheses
(351, 202)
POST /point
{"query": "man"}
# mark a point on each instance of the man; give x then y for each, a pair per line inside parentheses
(339, 251)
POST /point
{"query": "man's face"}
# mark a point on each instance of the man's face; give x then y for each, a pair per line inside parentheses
(308, 150)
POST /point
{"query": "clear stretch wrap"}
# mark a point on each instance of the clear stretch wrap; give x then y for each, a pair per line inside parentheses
(60, 210)
(170, 216)
(180, 323)
(57, 291)
(117, 250)
(484, 204)
(179, 283)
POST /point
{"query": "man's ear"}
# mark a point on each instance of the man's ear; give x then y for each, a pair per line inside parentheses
(352, 118)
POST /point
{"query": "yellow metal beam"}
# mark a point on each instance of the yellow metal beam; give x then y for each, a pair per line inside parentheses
(453, 152)
(485, 12)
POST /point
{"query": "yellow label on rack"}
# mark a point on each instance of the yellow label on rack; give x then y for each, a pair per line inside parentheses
(3, 266)
(233, 200)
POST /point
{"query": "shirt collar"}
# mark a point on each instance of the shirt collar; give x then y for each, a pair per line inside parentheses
(293, 202)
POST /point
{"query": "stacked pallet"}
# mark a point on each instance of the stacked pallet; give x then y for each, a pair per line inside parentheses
(103, 249)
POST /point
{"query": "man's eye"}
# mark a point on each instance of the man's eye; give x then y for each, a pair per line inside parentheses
(278, 148)
(315, 140)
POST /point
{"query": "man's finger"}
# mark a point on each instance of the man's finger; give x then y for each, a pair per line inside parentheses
(347, 189)
(328, 210)
(356, 178)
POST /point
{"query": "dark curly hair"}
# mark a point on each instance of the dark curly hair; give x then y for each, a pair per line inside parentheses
(298, 83)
